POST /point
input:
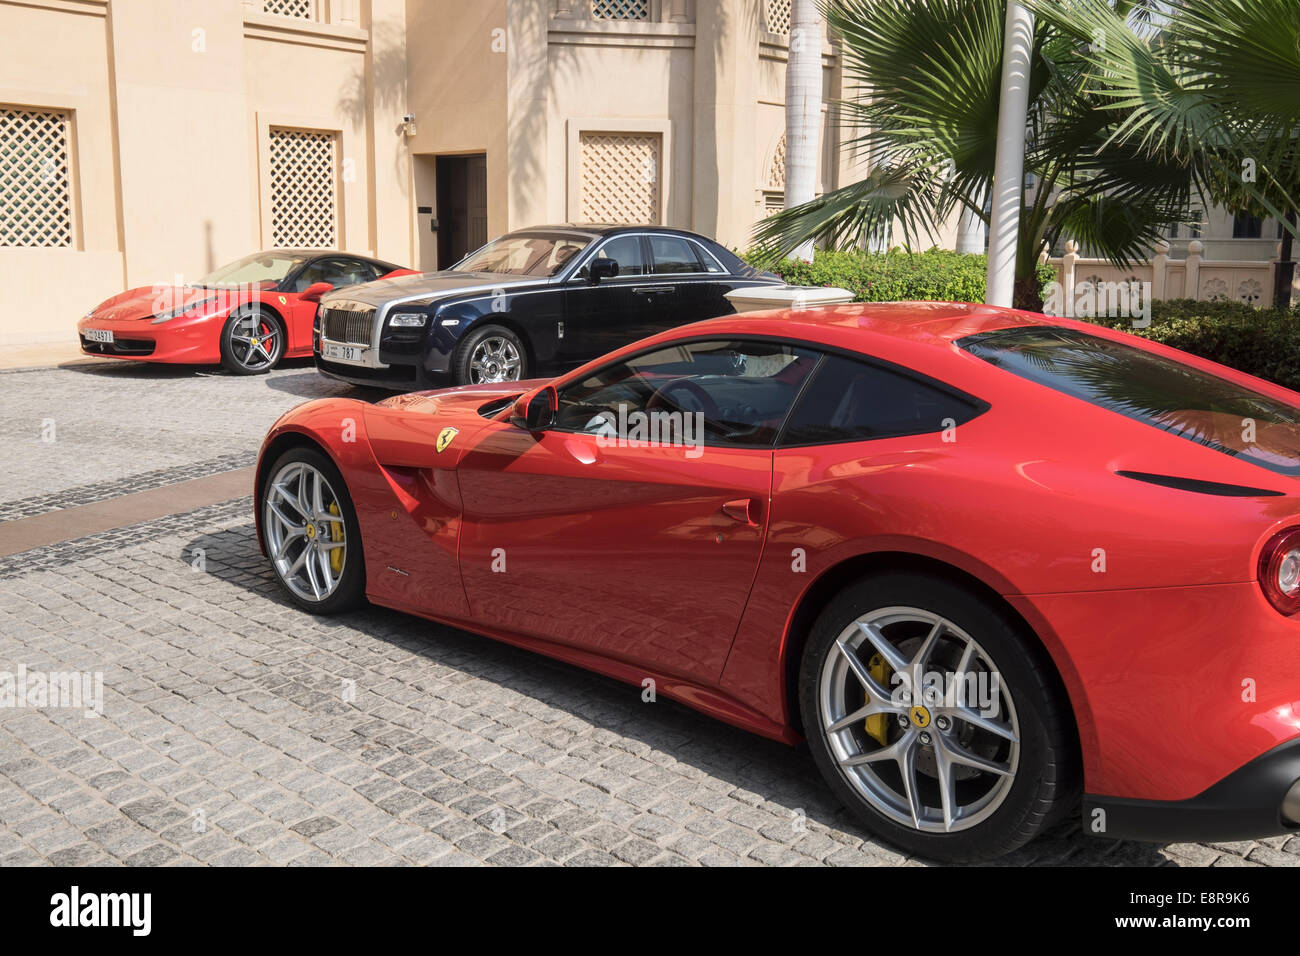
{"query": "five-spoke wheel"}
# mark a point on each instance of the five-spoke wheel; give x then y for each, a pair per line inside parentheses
(252, 342)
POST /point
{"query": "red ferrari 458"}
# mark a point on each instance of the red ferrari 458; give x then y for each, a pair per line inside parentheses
(247, 315)
(986, 563)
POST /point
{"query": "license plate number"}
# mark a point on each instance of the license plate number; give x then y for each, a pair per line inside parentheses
(99, 335)
(343, 353)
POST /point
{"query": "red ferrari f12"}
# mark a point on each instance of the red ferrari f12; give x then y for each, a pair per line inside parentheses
(986, 563)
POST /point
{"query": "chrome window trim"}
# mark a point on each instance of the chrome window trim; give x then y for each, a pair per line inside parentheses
(588, 255)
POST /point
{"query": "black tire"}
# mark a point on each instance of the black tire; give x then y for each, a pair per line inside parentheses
(236, 358)
(1045, 783)
(350, 592)
(465, 352)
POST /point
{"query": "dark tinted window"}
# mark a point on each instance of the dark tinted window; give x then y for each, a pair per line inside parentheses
(1152, 389)
(848, 400)
(626, 251)
(672, 255)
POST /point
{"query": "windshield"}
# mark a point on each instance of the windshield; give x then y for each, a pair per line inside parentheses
(531, 254)
(257, 268)
(1152, 389)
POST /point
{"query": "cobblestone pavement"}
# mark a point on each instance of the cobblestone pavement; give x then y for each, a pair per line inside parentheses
(83, 433)
(236, 729)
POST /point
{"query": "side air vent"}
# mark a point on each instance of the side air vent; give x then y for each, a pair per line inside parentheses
(1199, 486)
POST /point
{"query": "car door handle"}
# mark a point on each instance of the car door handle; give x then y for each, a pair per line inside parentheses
(652, 289)
(745, 510)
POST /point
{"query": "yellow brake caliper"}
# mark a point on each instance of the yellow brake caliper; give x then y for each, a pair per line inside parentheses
(877, 724)
(336, 534)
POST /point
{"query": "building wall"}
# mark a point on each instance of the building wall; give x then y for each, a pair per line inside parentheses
(170, 106)
(175, 114)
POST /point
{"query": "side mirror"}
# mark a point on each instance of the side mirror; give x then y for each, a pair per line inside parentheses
(536, 410)
(601, 269)
(314, 291)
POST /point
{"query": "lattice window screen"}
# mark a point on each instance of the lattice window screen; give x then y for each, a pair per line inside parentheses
(620, 9)
(619, 177)
(298, 9)
(776, 13)
(304, 204)
(776, 172)
(35, 182)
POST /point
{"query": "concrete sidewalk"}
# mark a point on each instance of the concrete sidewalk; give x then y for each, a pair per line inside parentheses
(46, 355)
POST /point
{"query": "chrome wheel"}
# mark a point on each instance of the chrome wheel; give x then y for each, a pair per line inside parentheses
(255, 341)
(495, 359)
(918, 720)
(304, 531)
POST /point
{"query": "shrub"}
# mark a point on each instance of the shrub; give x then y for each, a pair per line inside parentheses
(936, 275)
(1262, 342)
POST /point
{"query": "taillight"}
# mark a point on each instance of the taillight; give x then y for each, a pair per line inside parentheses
(1279, 571)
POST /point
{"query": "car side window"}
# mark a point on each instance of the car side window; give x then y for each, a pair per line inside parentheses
(338, 272)
(672, 255)
(694, 393)
(626, 251)
(850, 400)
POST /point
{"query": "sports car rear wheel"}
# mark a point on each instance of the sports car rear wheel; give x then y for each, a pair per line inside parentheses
(934, 720)
(310, 532)
(252, 342)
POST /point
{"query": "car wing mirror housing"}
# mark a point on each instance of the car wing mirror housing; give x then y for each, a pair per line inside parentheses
(536, 410)
(601, 268)
(314, 291)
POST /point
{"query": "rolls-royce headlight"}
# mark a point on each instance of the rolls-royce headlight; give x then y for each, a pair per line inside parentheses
(408, 320)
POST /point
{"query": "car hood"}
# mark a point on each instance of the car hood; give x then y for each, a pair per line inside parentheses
(147, 301)
(426, 284)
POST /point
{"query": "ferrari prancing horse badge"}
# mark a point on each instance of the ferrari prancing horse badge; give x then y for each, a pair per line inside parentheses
(445, 436)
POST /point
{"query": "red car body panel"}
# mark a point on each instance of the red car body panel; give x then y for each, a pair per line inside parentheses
(624, 564)
(193, 337)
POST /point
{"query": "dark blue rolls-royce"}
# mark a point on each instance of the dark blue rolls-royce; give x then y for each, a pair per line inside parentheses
(532, 303)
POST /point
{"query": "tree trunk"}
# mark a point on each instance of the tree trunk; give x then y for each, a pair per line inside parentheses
(803, 109)
(1285, 268)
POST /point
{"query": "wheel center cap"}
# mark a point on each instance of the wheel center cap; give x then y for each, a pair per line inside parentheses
(311, 531)
(920, 716)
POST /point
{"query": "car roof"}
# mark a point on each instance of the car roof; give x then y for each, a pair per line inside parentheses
(854, 325)
(316, 253)
(607, 229)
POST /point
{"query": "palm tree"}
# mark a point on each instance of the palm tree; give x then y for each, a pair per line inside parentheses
(933, 72)
(803, 109)
(1220, 82)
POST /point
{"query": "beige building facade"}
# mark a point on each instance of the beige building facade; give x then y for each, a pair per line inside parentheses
(145, 140)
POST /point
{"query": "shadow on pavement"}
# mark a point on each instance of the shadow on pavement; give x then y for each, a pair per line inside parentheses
(782, 775)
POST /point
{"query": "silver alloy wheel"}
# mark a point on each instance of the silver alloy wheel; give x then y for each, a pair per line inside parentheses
(304, 531)
(944, 765)
(495, 359)
(255, 341)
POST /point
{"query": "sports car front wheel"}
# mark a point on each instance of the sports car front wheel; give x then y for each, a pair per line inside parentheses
(252, 342)
(933, 718)
(310, 532)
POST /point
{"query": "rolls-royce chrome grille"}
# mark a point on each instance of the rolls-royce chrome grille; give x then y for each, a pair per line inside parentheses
(352, 326)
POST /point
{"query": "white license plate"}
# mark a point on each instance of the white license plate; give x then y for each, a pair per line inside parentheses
(342, 353)
(99, 335)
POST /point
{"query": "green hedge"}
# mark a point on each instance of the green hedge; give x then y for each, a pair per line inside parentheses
(1263, 342)
(935, 275)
